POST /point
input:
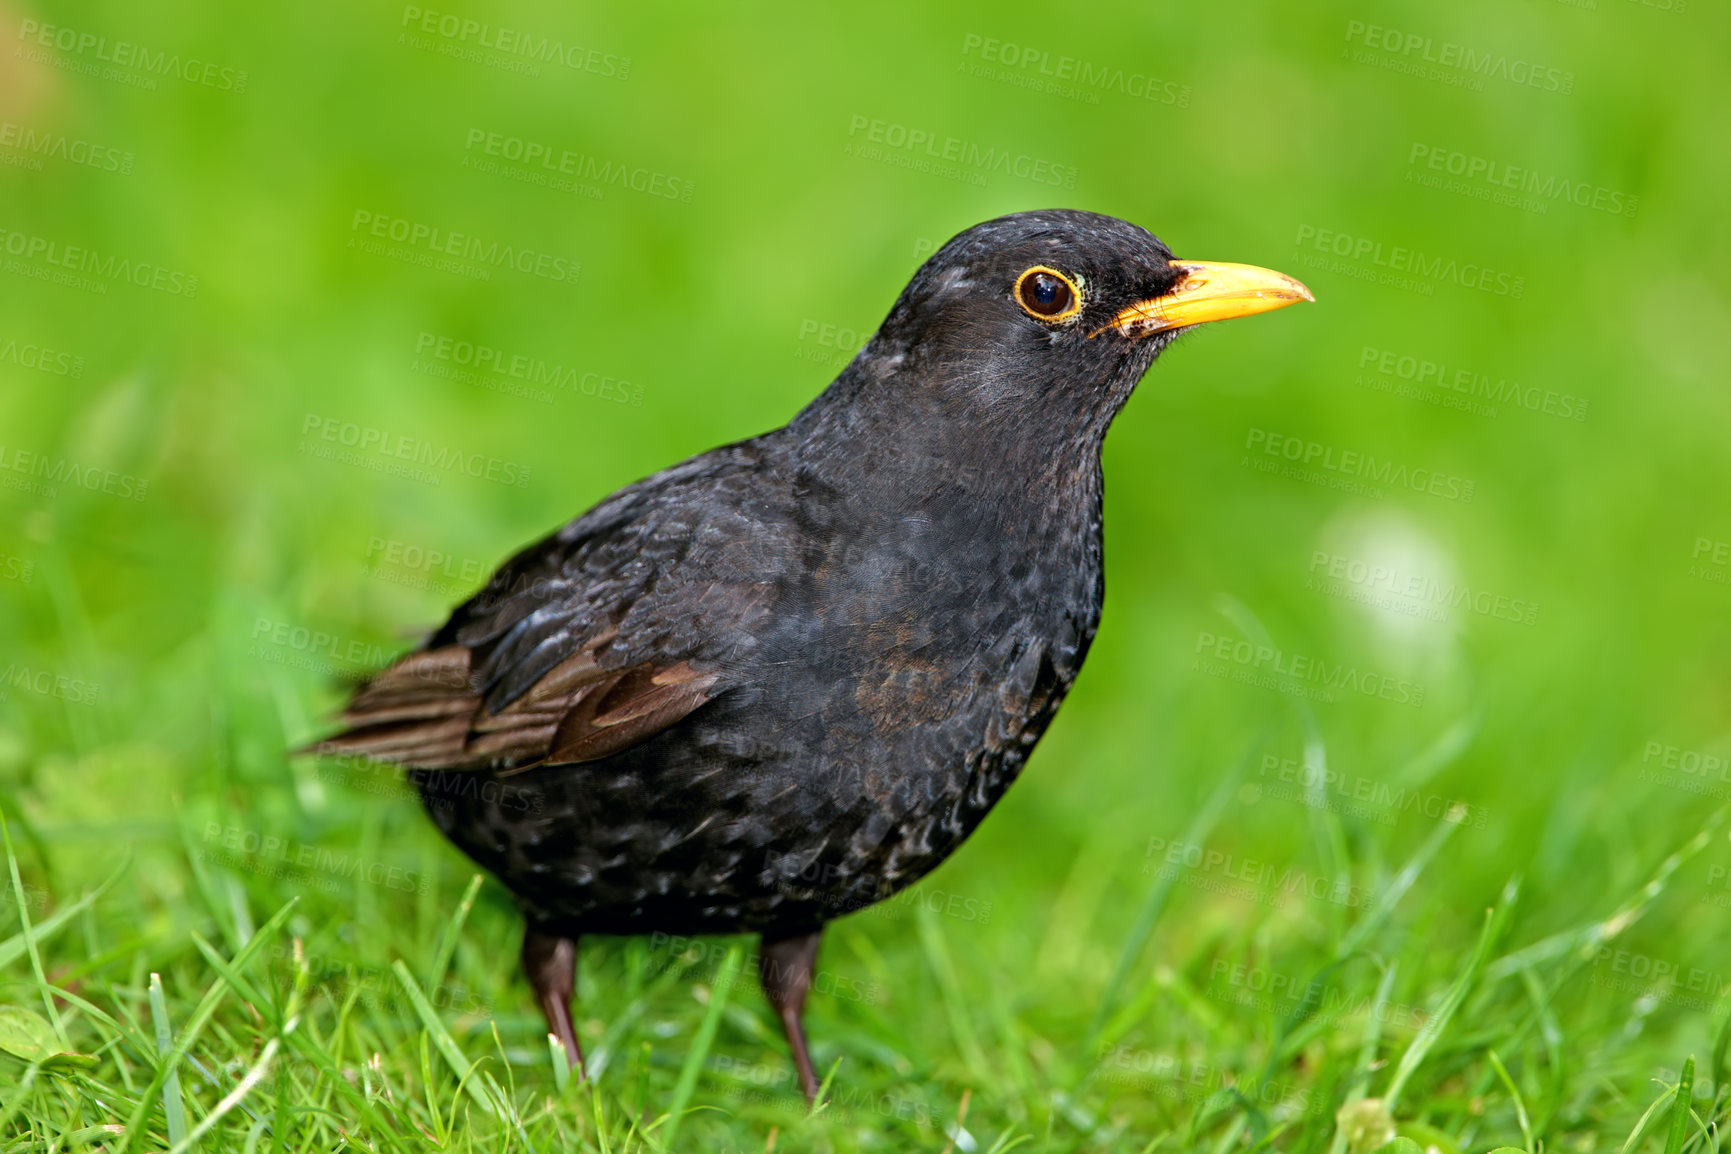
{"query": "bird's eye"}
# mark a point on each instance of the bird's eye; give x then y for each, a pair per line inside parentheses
(1048, 294)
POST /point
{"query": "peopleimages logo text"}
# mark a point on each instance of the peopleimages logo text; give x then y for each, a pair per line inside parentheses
(125, 54)
(45, 143)
(1419, 48)
(416, 236)
(1299, 667)
(462, 30)
(77, 259)
(954, 150)
(1437, 374)
(37, 472)
(364, 440)
(1071, 69)
(1496, 175)
(1360, 465)
(1395, 258)
(553, 160)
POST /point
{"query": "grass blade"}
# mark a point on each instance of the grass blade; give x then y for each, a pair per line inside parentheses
(200, 1016)
(230, 1100)
(446, 1045)
(17, 945)
(1457, 993)
(23, 903)
(700, 1045)
(173, 1107)
(1161, 892)
(448, 939)
(1644, 1124)
(1585, 938)
(1720, 1044)
(1515, 1094)
(19, 1095)
(1386, 900)
(950, 990)
(1680, 1109)
(561, 1064)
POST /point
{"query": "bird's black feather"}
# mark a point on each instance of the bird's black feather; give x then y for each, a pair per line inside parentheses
(831, 647)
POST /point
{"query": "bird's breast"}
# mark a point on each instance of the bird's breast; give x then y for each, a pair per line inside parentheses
(917, 645)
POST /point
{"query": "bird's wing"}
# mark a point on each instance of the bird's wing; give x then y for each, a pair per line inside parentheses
(587, 642)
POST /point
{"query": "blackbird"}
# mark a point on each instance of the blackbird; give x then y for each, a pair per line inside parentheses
(786, 678)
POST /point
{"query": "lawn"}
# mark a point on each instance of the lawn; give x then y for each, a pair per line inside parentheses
(1388, 807)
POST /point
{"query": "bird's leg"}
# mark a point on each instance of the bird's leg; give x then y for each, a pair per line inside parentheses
(785, 967)
(550, 961)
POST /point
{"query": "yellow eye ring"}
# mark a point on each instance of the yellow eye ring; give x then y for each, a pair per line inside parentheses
(1047, 294)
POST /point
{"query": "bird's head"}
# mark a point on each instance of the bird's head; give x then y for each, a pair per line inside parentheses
(1050, 317)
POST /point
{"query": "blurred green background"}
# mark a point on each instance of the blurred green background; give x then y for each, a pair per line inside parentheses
(548, 249)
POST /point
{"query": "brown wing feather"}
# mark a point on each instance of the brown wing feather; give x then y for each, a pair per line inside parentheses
(639, 703)
(425, 713)
(595, 638)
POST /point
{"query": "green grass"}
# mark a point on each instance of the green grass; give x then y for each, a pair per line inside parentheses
(1477, 899)
(280, 1024)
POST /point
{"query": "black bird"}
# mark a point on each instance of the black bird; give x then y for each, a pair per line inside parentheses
(786, 678)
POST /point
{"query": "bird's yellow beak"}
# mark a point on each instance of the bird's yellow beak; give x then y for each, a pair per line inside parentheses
(1210, 291)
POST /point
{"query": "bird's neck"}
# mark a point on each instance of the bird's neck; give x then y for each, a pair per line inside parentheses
(979, 503)
(911, 444)
(986, 479)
